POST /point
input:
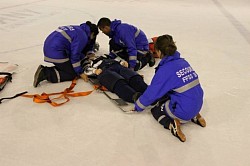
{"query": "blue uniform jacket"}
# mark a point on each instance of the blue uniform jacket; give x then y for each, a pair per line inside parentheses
(67, 44)
(128, 36)
(175, 78)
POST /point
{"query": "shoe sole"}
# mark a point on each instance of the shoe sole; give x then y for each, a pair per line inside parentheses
(39, 69)
(202, 122)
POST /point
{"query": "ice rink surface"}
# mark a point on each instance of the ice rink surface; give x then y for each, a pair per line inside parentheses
(213, 35)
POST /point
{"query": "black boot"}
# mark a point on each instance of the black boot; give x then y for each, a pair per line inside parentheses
(151, 61)
(39, 75)
(96, 47)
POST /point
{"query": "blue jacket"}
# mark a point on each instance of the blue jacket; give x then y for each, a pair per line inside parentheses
(175, 78)
(67, 44)
(129, 37)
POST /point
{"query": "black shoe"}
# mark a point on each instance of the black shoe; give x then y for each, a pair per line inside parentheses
(175, 128)
(151, 61)
(137, 66)
(39, 76)
(136, 96)
(96, 47)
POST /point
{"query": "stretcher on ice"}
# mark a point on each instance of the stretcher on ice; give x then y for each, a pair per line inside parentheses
(122, 105)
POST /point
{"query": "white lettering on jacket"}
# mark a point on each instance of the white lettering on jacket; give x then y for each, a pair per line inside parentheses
(184, 71)
(65, 28)
(186, 74)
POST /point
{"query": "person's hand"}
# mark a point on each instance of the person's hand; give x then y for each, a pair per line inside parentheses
(84, 77)
(124, 63)
(98, 71)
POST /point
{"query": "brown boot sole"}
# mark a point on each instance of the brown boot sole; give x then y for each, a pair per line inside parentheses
(176, 131)
(201, 120)
(180, 134)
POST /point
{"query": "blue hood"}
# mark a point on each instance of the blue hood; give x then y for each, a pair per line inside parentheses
(166, 59)
(113, 26)
(86, 28)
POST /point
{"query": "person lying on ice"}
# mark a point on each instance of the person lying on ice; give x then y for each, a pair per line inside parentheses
(127, 42)
(65, 48)
(175, 88)
(115, 76)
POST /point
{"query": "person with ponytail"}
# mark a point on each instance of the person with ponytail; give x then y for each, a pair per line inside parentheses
(65, 48)
(175, 90)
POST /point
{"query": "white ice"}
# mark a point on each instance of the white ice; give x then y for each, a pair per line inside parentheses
(213, 35)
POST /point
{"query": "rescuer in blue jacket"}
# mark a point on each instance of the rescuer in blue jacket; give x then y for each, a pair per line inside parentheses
(65, 48)
(127, 42)
(175, 88)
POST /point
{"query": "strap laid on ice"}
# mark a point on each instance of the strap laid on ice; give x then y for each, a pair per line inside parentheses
(5, 73)
(44, 97)
(19, 94)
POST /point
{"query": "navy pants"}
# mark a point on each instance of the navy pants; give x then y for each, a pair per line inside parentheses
(60, 72)
(159, 113)
(122, 81)
(142, 58)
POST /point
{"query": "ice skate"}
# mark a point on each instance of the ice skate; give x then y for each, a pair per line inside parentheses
(199, 120)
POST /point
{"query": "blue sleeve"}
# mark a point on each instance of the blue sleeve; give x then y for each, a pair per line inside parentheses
(127, 36)
(78, 43)
(161, 83)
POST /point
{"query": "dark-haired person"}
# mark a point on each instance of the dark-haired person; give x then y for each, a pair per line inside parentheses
(127, 42)
(175, 88)
(65, 48)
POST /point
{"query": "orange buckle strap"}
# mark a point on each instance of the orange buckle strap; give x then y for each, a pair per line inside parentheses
(100, 87)
(44, 97)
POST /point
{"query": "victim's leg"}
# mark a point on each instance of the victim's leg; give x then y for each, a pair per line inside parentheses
(116, 84)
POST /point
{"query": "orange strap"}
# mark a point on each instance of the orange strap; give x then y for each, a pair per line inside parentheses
(100, 87)
(44, 97)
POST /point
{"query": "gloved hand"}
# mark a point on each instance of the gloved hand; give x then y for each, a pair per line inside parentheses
(124, 63)
(84, 77)
(98, 71)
